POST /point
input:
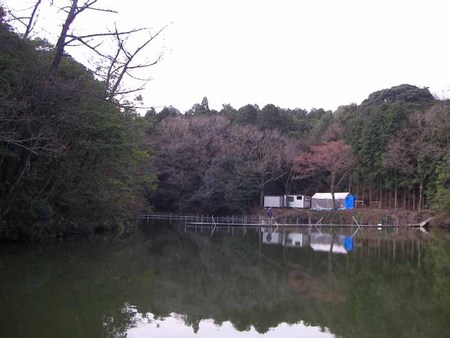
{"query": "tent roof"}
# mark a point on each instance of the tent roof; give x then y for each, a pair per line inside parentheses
(327, 195)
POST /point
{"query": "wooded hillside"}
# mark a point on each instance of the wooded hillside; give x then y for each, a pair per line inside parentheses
(390, 151)
(74, 158)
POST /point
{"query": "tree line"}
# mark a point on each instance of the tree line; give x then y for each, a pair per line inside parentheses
(391, 151)
(76, 156)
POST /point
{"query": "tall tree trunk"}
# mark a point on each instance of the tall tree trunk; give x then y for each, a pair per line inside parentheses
(395, 191)
(333, 177)
(404, 199)
(381, 193)
(390, 198)
(59, 48)
(261, 198)
(420, 204)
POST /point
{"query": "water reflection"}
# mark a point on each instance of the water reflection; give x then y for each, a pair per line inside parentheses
(166, 283)
(318, 241)
(174, 326)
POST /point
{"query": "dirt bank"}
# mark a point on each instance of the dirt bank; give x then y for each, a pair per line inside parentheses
(360, 215)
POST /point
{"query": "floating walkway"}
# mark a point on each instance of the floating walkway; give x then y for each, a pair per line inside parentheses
(214, 223)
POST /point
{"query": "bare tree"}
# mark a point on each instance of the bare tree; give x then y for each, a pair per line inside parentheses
(186, 147)
(290, 152)
(262, 154)
(334, 158)
(115, 67)
(122, 64)
(27, 21)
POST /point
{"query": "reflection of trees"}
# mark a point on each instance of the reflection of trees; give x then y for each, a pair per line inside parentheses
(107, 287)
(439, 273)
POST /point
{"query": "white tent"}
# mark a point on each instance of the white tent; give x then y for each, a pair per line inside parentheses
(324, 200)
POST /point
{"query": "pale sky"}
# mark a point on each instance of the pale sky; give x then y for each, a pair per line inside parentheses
(291, 53)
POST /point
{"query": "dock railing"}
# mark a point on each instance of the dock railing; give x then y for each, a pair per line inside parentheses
(205, 219)
(255, 222)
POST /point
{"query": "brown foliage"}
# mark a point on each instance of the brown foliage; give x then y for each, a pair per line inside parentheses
(333, 157)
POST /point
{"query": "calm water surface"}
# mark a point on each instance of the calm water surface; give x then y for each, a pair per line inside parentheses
(164, 282)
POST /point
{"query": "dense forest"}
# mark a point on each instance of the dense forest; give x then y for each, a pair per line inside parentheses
(75, 158)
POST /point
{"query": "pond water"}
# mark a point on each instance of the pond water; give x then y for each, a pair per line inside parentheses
(164, 282)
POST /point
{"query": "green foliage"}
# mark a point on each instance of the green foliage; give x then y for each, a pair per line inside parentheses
(404, 94)
(247, 114)
(442, 196)
(370, 126)
(271, 117)
(68, 158)
(228, 111)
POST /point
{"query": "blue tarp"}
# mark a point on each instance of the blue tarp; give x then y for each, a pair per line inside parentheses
(350, 202)
(348, 243)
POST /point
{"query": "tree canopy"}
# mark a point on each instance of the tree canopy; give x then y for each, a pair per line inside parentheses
(68, 155)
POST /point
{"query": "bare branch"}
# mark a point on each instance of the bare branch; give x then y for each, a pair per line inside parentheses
(22, 143)
(93, 48)
(31, 22)
(96, 35)
(86, 5)
(17, 18)
(131, 91)
(130, 57)
(139, 78)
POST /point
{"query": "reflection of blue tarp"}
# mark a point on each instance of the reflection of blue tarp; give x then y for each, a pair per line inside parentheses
(350, 202)
(348, 243)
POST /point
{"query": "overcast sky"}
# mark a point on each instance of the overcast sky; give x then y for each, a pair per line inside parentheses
(292, 53)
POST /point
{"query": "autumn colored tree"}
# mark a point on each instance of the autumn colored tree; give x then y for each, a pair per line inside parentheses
(334, 158)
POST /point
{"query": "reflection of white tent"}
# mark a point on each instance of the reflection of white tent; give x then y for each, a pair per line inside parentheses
(324, 201)
(296, 239)
(328, 242)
